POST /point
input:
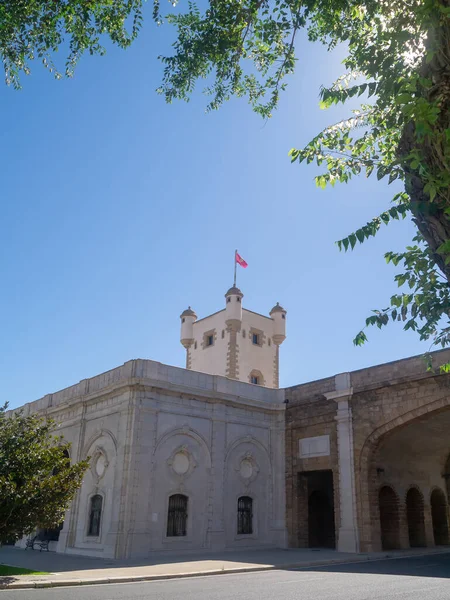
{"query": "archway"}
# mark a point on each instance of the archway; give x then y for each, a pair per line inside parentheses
(389, 518)
(411, 448)
(446, 475)
(439, 517)
(415, 517)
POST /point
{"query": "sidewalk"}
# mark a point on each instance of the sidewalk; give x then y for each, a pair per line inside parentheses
(78, 570)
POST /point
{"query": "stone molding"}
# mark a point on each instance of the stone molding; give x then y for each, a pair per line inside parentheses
(247, 478)
(205, 337)
(192, 464)
(276, 366)
(233, 328)
(256, 373)
(261, 336)
(188, 358)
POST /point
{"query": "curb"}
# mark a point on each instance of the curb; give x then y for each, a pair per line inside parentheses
(21, 585)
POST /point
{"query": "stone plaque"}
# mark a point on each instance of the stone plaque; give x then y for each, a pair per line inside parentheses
(246, 469)
(180, 463)
(314, 446)
(100, 465)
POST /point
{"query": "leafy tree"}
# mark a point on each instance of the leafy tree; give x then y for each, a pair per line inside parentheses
(398, 61)
(37, 481)
(35, 29)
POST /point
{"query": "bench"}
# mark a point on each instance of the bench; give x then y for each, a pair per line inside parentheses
(30, 543)
(43, 545)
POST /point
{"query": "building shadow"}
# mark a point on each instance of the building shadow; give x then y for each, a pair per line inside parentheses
(414, 563)
(433, 565)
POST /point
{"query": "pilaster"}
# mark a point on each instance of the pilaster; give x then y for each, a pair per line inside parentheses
(218, 447)
(348, 537)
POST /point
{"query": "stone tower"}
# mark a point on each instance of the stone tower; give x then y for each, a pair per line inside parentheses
(235, 342)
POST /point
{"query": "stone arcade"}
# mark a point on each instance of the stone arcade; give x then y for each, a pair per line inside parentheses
(215, 456)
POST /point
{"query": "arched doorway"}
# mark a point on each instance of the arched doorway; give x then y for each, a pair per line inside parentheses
(439, 517)
(415, 516)
(446, 475)
(389, 518)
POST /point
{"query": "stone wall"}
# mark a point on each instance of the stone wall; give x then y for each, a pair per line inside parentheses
(399, 414)
(154, 431)
(308, 415)
(387, 399)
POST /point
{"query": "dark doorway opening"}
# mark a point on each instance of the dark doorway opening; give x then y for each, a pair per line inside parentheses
(415, 516)
(389, 518)
(439, 517)
(318, 489)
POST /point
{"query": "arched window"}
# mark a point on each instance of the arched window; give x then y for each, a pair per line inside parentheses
(95, 515)
(177, 515)
(245, 515)
(256, 378)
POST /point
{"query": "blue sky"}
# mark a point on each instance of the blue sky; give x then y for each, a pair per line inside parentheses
(119, 211)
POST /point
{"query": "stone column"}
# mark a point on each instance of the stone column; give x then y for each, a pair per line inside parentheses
(216, 507)
(348, 537)
(278, 454)
(429, 533)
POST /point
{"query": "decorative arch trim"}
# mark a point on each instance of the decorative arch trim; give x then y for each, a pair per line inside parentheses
(249, 439)
(188, 431)
(401, 420)
(414, 486)
(259, 375)
(436, 488)
(98, 435)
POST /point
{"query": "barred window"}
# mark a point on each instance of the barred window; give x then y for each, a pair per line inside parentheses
(95, 515)
(177, 516)
(245, 515)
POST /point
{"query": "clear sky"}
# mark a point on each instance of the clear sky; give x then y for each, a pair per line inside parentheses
(119, 210)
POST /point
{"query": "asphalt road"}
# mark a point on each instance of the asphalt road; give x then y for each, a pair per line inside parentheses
(419, 578)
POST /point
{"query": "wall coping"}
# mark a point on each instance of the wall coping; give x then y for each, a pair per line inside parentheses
(160, 376)
(388, 374)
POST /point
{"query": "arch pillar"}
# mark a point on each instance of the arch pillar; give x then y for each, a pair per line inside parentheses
(429, 533)
(348, 537)
(404, 534)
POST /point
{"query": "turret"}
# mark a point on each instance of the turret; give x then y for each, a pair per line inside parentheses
(278, 314)
(233, 307)
(188, 318)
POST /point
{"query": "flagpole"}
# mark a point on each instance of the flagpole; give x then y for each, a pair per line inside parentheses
(235, 264)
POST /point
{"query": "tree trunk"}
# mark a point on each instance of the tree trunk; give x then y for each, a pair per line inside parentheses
(429, 216)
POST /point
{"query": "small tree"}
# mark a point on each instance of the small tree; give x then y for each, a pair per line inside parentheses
(37, 481)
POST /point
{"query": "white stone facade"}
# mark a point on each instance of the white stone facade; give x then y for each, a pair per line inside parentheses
(154, 432)
(235, 342)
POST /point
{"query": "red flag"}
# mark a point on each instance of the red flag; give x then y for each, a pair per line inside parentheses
(241, 261)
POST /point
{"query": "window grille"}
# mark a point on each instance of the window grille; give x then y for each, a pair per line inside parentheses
(245, 515)
(177, 516)
(95, 515)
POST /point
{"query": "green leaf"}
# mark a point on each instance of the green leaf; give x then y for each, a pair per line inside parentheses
(360, 339)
